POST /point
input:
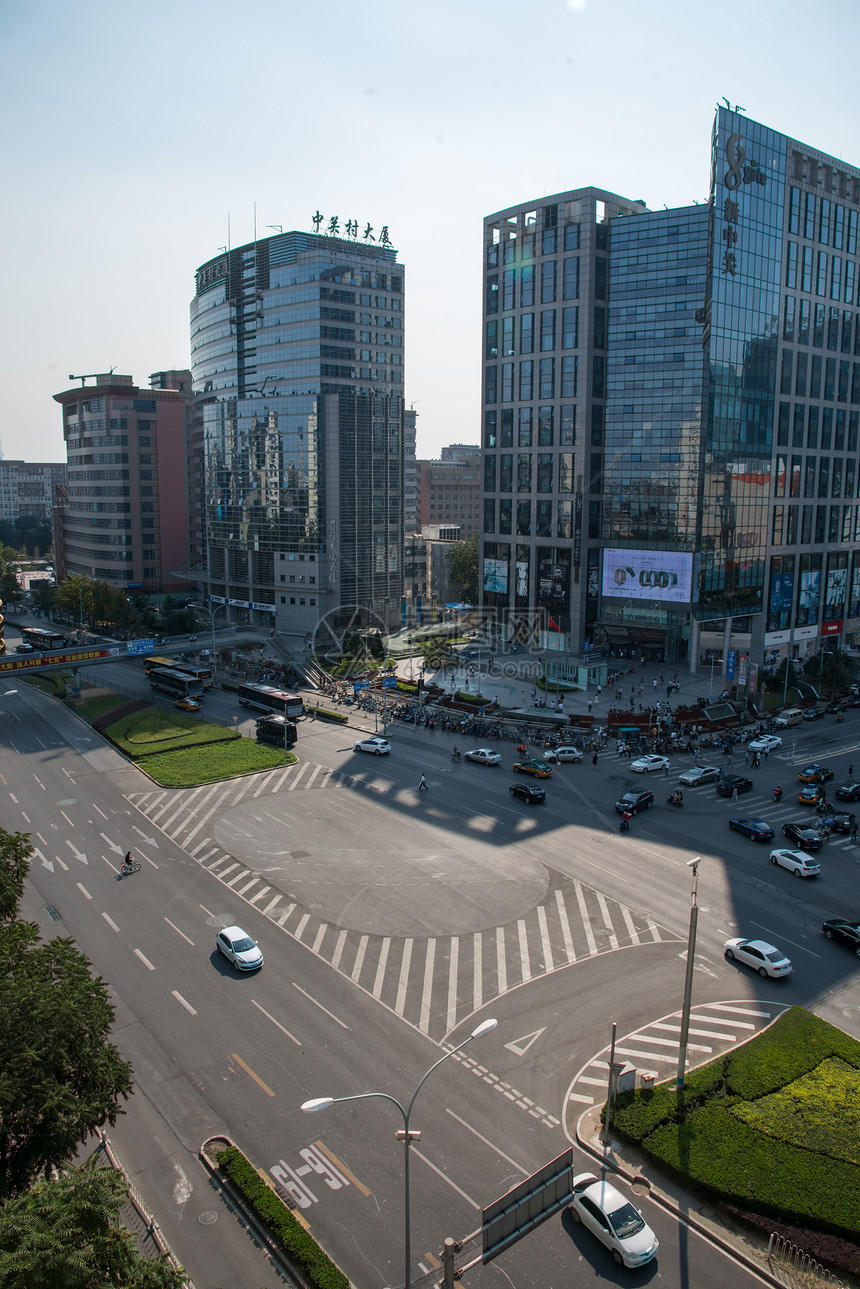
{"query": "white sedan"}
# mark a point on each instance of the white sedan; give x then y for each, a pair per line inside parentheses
(379, 746)
(796, 862)
(645, 763)
(563, 754)
(765, 958)
(238, 948)
(613, 1219)
(765, 743)
(483, 755)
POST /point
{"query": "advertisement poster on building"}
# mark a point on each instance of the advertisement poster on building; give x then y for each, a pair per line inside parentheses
(496, 576)
(648, 575)
(837, 586)
(809, 597)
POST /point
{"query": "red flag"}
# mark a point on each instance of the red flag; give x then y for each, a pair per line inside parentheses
(553, 625)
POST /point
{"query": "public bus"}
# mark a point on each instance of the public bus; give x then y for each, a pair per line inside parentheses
(41, 639)
(265, 698)
(174, 682)
(203, 675)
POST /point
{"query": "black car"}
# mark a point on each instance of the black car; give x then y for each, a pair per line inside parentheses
(804, 838)
(633, 802)
(836, 705)
(729, 782)
(813, 714)
(849, 791)
(532, 796)
(842, 820)
(755, 828)
(845, 932)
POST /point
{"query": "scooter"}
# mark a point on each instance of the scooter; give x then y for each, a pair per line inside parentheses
(675, 800)
(777, 793)
(455, 754)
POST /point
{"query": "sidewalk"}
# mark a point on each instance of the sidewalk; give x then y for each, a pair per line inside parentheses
(748, 1246)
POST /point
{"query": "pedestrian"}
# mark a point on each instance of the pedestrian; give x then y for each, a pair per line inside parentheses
(600, 689)
(735, 795)
(667, 769)
(594, 760)
(854, 833)
(765, 756)
(756, 761)
(655, 682)
(747, 755)
(589, 704)
(423, 785)
(851, 773)
(596, 699)
(696, 757)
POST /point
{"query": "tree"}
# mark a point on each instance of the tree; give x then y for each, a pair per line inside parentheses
(59, 1076)
(65, 1232)
(42, 594)
(830, 671)
(463, 568)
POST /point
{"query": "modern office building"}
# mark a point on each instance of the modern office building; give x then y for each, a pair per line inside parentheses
(122, 517)
(27, 488)
(674, 471)
(449, 490)
(410, 471)
(297, 344)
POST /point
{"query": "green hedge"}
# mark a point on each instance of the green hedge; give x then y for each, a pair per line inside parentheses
(326, 714)
(476, 700)
(771, 1126)
(299, 1246)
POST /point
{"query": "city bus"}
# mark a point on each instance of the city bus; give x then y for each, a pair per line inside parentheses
(203, 675)
(173, 682)
(265, 698)
(41, 639)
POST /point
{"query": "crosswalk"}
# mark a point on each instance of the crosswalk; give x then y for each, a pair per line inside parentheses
(654, 1048)
(431, 982)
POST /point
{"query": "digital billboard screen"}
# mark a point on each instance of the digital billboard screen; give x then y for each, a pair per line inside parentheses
(648, 575)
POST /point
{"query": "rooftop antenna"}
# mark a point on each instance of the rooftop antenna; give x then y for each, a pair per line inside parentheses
(91, 375)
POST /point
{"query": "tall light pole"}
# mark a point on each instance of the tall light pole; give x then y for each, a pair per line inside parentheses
(688, 978)
(405, 1134)
(194, 604)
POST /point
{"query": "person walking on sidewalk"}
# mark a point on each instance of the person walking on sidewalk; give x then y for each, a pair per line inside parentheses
(854, 833)
(594, 760)
(423, 785)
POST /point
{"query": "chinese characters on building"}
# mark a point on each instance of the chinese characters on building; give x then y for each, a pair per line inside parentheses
(350, 229)
(737, 174)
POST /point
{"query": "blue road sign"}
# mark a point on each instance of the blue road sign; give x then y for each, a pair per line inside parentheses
(389, 682)
(138, 647)
(360, 684)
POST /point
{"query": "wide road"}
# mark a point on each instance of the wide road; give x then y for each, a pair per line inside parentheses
(385, 936)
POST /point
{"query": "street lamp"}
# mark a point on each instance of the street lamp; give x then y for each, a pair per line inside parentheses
(194, 604)
(405, 1134)
(688, 978)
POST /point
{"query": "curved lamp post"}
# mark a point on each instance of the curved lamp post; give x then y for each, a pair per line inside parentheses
(404, 1134)
(195, 604)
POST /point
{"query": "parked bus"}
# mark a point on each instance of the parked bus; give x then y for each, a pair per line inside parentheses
(203, 675)
(276, 730)
(174, 682)
(265, 698)
(41, 639)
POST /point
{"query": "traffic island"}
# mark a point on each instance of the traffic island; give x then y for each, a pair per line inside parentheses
(284, 1235)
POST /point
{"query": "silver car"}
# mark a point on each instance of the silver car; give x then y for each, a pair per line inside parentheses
(563, 754)
(699, 774)
(379, 746)
(238, 948)
(796, 862)
(609, 1215)
(765, 958)
(483, 755)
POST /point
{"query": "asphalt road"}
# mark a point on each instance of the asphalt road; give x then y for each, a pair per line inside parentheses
(384, 938)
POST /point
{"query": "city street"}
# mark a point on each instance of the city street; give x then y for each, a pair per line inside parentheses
(393, 921)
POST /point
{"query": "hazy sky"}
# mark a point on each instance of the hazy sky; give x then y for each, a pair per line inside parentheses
(132, 130)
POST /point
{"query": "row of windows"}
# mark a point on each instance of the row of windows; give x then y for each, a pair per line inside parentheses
(499, 518)
(803, 321)
(499, 427)
(819, 273)
(548, 336)
(549, 471)
(814, 524)
(836, 477)
(822, 220)
(518, 285)
(550, 372)
(834, 380)
(516, 249)
(823, 428)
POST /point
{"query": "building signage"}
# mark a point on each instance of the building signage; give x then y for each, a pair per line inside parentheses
(743, 660)
(647, 575)
(211, 273)
(139, 646)
(737, 174)
(350, 229)
(496, 576)
(577, 530)
(730, 664)
(831, 628)
(58, 659)
(243, 604)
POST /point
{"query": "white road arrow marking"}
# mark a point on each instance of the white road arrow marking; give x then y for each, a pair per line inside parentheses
(78, 854)
(46, 863)
(520, 1046)
(150, 841)
(117, 850)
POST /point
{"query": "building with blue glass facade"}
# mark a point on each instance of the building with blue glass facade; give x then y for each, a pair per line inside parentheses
(297, 359)
(714, 473)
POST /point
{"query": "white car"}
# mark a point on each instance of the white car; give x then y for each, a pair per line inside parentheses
(563, 754)
(238, 948)
(643, 764)
(379, 746)
(765, 743)
(766, 958)
(698, 774)
(484, 755)
(796, 862)
(613, 1219)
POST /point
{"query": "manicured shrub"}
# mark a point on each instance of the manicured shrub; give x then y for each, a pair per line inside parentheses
(299, 1246)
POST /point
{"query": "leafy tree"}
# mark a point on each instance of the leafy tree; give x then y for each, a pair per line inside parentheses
(10, 589)
(64, 1233)
(830, 671)
(15, 852)
(27, 532)
(463, 568)
(42, 594)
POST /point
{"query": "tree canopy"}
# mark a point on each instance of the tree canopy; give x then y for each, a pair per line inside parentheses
(463, 568)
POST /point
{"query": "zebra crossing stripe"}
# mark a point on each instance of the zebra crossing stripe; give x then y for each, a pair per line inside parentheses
(286, 913)
(380, 966)
(453, 964)
(546, 946)
(359, 958)
(607, 921)
(565, 927)
(586, 919)
(403, 983)
(260, 894)
(338, 949)
(525, 961)
(320, 936)
(501, 964)
(303, 921)
(632, 933)
(477, 972)
(427, 993)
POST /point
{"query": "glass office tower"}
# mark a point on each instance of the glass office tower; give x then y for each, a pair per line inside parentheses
(297, 357)
(715, 472)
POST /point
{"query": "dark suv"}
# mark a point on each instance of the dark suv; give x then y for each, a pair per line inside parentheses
(729, 782)
(634, 802)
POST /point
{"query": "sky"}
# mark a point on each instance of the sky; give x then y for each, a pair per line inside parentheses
(133, 133)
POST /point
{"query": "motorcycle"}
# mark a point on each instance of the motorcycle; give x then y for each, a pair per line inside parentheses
(675, 800)
(456, 755)
(777, 793)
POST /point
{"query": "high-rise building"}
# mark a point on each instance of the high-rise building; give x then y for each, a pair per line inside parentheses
(122, 516)
(410, 471)
(297, 353)
(706, 455)
(449, 490)
(27, 488)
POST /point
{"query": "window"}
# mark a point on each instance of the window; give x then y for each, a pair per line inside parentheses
(838, 226)
(803, 322)
(815, 377)
(824, 222)
(549, 241)
(794, 211)
(527, 286)
(546, 388)
(812, 431)
(600, 278)
(785, 375)
(524, 518)
(492, 340)
(782, 425)
(836, 278)
(806, 269)
(509, 278)
(797, 429)
(506, 472)
(489, 473)
(524, 472)
(507, 382)
(567, 428)
(570, 327)
(569, 370)
(800, 375)
(490, 431)
(527, 336)
(508, 336)
(851, 239)
(791, 266)
(818, 327)
(788, 318)
(809, 216)
(491, 392)
(570, 282)
(599, 336)
(492, 293)
(527, 379)
(571, 237)
(546, 416)
(506, 514)
(489, 525)
(524, 433)
(821, 283)
(547, 282)
(544, 475)
(598, 376)
(547, 330)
